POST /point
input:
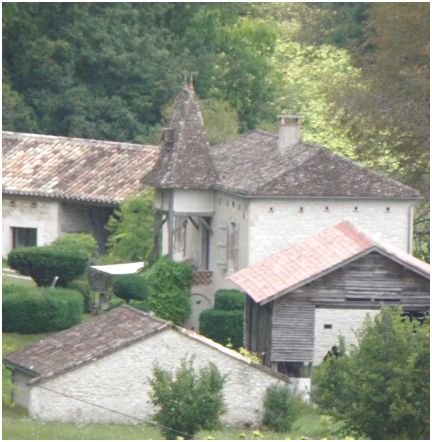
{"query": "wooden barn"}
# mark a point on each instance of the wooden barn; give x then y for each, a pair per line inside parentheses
(300, 300)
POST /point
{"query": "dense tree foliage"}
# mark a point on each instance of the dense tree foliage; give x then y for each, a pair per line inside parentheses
(359, 72)
(131, 230)
(381, 387)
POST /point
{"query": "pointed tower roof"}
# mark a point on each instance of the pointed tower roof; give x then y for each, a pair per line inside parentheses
(185, 161)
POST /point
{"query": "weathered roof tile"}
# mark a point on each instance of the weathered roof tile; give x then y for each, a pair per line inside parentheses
(74, 168)
(312, 258)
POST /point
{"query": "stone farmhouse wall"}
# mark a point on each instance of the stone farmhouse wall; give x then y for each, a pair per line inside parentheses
(52, 218)
(120, 382)
(277, 224)
(32, 213)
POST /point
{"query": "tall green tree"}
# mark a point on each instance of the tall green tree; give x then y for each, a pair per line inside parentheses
(381, 387)
(131, 229)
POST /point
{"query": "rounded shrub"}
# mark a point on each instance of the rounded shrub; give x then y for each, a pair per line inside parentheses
(130, 287)
(40, 309)
(281, 408)
(229, 300)
(223, 326)
(80, 241)
(42, 264)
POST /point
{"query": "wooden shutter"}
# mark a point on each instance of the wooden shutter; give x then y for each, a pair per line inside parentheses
(222, 244)
(236, 245)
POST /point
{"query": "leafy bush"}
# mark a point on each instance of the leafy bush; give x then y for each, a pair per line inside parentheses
(229, 300)
(188, 402)
(281, 408)
(44, 263)
(165, 274)
(173, 305)
(80, 241)
(130, 287)
(381, 388)
(223, 326)
(168, 284)
(40, 309)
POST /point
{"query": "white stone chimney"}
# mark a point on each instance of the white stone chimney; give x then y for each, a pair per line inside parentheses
(289, 131)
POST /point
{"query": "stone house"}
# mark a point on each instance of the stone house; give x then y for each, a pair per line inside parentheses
(226, 207)
(301, 299)
(54, 185)
(99, 371)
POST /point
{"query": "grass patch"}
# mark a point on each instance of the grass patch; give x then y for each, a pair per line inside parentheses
(6, 280)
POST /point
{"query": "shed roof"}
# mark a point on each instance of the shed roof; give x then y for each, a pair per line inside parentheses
(253, 165)
(97, 171)
(314, 257)
(99, 337)
(184, 162)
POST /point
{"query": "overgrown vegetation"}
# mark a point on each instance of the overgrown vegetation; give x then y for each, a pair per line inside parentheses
(224, 322)
(188, 401)
(43, 264)
(40, 309)
(381, 388)
(282, 408)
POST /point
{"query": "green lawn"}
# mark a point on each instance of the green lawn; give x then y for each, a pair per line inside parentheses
(6, 279)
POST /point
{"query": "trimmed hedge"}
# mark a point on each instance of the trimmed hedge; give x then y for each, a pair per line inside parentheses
(229, 300)
(82, 286)
(44, 263)
(130, 287)
(40, 309)
(223, 326)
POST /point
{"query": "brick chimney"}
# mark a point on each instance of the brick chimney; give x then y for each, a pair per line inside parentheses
(289, 131)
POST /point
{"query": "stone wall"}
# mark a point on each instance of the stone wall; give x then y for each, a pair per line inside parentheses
(119, 383)
(275, 225)
(332, 323)
(29, 212)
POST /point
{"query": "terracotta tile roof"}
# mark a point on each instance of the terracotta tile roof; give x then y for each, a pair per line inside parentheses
(86, 342)
(185, 162)
(312, 258)
(74, 168)
(253, 165)
(102, 336)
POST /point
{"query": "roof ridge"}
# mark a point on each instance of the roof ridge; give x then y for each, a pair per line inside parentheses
(92, 141)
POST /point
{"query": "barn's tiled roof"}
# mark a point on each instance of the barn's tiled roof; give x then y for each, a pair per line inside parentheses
(253, 165)
(312, 258)
(185, 162)
(86, 342)
(99, 337)
(73, 168)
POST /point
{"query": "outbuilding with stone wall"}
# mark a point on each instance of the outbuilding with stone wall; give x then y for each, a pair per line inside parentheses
(99, 371)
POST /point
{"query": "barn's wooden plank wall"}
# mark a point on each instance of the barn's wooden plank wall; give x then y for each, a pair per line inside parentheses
(367, 283)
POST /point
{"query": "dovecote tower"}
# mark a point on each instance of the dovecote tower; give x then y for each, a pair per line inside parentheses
(184, 177)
